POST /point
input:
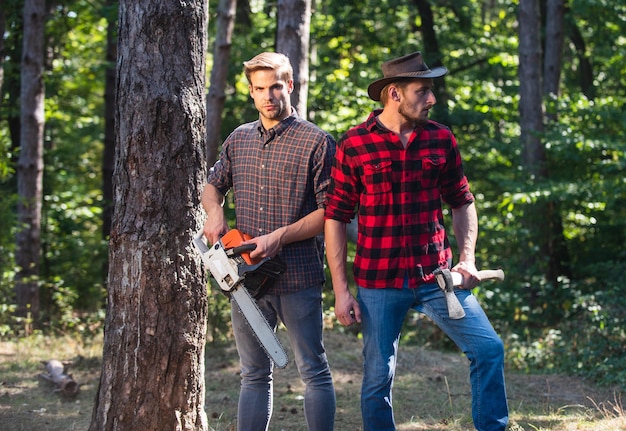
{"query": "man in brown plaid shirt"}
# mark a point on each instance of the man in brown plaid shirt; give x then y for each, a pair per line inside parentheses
(278, 168)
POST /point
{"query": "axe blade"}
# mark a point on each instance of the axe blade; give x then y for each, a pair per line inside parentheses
(445, 282)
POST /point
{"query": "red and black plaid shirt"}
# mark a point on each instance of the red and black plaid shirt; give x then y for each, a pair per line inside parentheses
(279, 176)
(397, 192)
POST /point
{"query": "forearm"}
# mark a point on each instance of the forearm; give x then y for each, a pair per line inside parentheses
(465, 225)
(336, 254)
(307, 227)
(347, 308)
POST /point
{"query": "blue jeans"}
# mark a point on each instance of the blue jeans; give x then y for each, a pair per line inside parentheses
(383, 312)
(301, 312)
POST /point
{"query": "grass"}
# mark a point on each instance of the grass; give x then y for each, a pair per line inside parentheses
(431, 391)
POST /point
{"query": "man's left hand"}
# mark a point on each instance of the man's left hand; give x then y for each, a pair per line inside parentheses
(469, 272)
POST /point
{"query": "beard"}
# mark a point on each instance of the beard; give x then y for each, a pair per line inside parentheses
(411, 115)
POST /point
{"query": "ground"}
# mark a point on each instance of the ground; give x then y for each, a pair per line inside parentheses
(431, 391)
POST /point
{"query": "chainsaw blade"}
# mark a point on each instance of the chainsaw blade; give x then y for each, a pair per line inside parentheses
(260, 327)
(225, 270)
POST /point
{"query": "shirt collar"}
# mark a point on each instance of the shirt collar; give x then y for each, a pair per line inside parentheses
(372, 123)
(280, 127)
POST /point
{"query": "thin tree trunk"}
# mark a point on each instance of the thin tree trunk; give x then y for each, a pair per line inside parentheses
(216, 98)
(292, 39)
(531, 105)
(556, 248)
(2, 53)
(30, 163)
(153, 357)
(531, 125)
(108, 158)
(432, 55)
(585, 67)
(553, 47)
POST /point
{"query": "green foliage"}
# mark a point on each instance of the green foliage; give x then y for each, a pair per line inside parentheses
(74, 254)
(589, 341)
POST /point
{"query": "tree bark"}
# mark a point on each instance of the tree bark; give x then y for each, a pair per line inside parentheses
(108, 157)
(153, 356)
(556, 248)
(531, 104)
(2, 53)
(292, 39)
(30, 163)
(553, 47)
(585, 67)
(432, 56)
(216, 98)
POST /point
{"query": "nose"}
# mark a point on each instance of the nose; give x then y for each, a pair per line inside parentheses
(431, 97)
(267, 94)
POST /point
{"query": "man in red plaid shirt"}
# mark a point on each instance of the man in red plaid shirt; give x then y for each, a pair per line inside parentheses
(395, 169)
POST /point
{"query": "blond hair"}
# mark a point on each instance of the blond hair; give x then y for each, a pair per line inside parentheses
(269, 61)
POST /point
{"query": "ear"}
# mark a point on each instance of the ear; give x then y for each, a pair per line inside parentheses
(393, 93)
(290, 86)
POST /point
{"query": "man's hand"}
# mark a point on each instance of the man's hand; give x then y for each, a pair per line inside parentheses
(469, 272)
(347, 309)
(213, 204)
(213, 231)
(266, 245)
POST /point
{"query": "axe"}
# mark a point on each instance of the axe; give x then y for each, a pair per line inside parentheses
(447, 280)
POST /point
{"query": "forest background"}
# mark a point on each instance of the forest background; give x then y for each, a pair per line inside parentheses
(552, 215)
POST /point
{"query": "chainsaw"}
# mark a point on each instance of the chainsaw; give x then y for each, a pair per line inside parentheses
(242, 279)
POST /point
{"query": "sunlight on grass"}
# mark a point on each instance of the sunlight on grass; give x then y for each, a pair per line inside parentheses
(431, 391)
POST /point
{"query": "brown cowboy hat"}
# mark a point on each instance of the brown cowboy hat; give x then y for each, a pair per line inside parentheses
(408, 66)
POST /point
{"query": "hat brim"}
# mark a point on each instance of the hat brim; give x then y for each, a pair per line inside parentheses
(377, 86)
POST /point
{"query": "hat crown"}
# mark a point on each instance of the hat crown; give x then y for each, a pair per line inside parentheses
(410, 63)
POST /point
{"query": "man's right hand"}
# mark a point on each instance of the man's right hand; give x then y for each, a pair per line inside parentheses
(214, 231)
(347, 309)
(213, 204)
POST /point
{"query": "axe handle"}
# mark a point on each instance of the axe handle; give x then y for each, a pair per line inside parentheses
(485, 274)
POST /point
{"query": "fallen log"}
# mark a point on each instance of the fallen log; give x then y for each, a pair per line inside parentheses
(57, 374)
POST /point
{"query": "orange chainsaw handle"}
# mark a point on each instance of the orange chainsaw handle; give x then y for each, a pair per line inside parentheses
(232, 241)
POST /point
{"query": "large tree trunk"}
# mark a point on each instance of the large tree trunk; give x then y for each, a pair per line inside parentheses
(153, 360)
(30, 163)
(219, 76)
(292, 39)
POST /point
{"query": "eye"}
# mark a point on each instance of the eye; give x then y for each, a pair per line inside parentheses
(423, 91)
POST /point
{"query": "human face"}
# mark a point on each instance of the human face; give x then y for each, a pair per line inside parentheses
(416, 100)
(271, 96)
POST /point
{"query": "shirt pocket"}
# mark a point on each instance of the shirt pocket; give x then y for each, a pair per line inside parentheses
(431, 171)
(377, 177)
